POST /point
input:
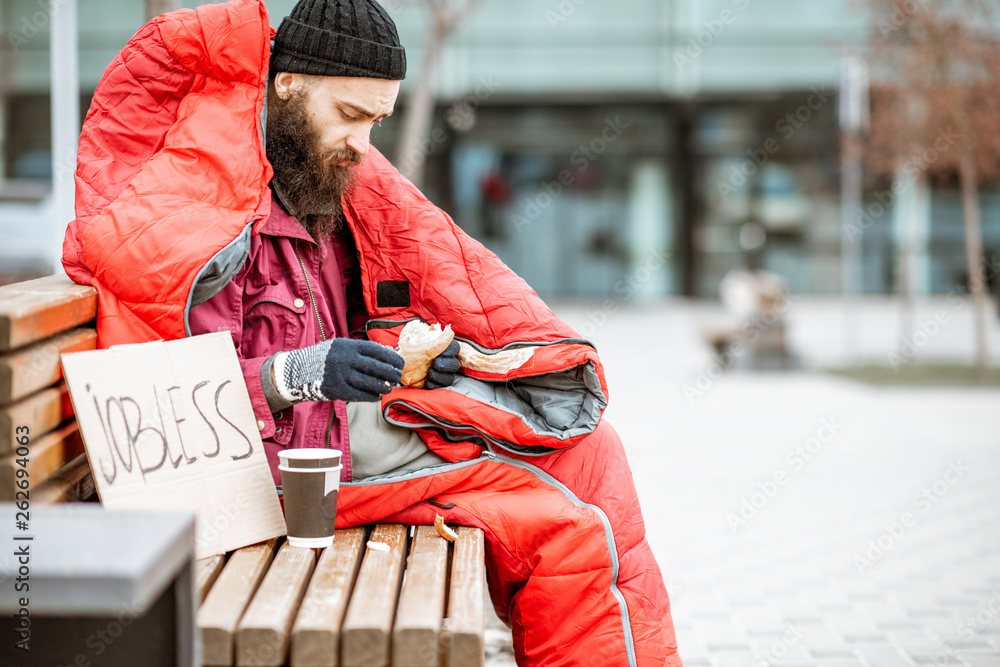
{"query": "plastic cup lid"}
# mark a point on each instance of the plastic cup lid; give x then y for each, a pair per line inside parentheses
(309, 457)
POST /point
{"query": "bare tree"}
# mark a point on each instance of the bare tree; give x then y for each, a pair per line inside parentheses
(444, 17)
(936, 69)
(156, 7)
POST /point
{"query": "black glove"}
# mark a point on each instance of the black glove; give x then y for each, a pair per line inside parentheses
(344, 369)
(444, 369)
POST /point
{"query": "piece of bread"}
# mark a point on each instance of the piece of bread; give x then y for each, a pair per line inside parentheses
(498, 362)
(419, 344)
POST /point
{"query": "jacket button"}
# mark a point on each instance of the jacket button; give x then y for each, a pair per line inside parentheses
(298, 303)
(260, 424)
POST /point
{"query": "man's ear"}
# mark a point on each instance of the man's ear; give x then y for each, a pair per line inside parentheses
(284, 84)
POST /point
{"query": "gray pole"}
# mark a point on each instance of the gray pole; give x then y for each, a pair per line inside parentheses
(65, 92)
(854, 115)
(850, 242)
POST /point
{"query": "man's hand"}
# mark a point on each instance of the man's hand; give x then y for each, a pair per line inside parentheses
(444, 369)
(344, 369)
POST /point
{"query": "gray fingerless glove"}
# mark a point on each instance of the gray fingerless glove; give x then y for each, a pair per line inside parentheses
(344, 369)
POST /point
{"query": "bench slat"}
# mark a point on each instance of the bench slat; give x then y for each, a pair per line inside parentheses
(466, 622)
(221, 611)
(36, 309)
(40, 412)
(421, 601)
(262, 637)
(47, 454)
(37, 366)
(368, 626)
(71, 483)
(206, 572)
(316, 634)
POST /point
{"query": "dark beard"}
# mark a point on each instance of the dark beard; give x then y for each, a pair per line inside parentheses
(308, 181)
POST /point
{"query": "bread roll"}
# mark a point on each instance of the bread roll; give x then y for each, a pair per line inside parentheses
(419, 344)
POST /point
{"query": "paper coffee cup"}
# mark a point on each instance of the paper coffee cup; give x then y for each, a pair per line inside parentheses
(308, 475)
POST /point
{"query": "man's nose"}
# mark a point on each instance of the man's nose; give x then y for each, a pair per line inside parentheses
(359, 141)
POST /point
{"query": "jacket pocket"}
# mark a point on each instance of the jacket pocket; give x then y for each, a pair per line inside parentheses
(271, 323)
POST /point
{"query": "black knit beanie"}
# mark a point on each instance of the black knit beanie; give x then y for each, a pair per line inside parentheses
(339, 38)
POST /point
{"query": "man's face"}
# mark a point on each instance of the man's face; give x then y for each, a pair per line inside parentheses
(318, 131)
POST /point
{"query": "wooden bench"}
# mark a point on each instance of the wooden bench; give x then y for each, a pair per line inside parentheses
(39, 320)
(386, 594)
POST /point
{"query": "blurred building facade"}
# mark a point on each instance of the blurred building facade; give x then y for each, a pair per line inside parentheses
(616, 150)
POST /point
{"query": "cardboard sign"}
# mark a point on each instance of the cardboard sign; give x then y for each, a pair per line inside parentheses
(170, 425)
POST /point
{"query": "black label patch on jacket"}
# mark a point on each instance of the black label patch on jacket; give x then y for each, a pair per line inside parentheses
(392, 294)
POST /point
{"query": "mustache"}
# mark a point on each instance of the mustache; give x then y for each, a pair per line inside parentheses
(353, 158)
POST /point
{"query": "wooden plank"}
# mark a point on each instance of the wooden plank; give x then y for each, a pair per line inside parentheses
(263, 635)
(206, 572)
(71, 483)
(421, 601)
(222, 609)
(40, 412)
(368, 626)
(36, 309)
(466, 620)
(35, 367)
(46, 455)
(316, 633)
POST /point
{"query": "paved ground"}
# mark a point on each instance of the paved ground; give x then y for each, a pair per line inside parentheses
(801, 519)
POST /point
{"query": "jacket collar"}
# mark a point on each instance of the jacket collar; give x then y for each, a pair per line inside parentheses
(281, 223)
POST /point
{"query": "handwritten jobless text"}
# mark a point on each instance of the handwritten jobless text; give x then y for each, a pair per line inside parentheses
(184, 427)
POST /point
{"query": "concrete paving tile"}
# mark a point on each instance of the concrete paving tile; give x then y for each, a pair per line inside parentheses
(692, 650)
(717, 646)
(979, 647)
(854, 629)
(695, 661)
(706, 603)
(866, 639)
(795, 610)
(872, 645)
(936, 659)
(886, 657)
(884, 615)
(892, 626)
(833, 652)
(731, 658)
(947, 627)
(778, 653)
(983, 661)
(958, 605)
(720, 635)
(759, 620)
(919, 614)
(916, 642)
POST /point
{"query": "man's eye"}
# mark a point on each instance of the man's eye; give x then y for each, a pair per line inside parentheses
(348, 116)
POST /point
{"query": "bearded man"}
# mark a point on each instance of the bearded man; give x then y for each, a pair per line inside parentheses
(228, 184)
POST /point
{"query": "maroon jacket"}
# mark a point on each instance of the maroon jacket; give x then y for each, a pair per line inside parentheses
(288, 289)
